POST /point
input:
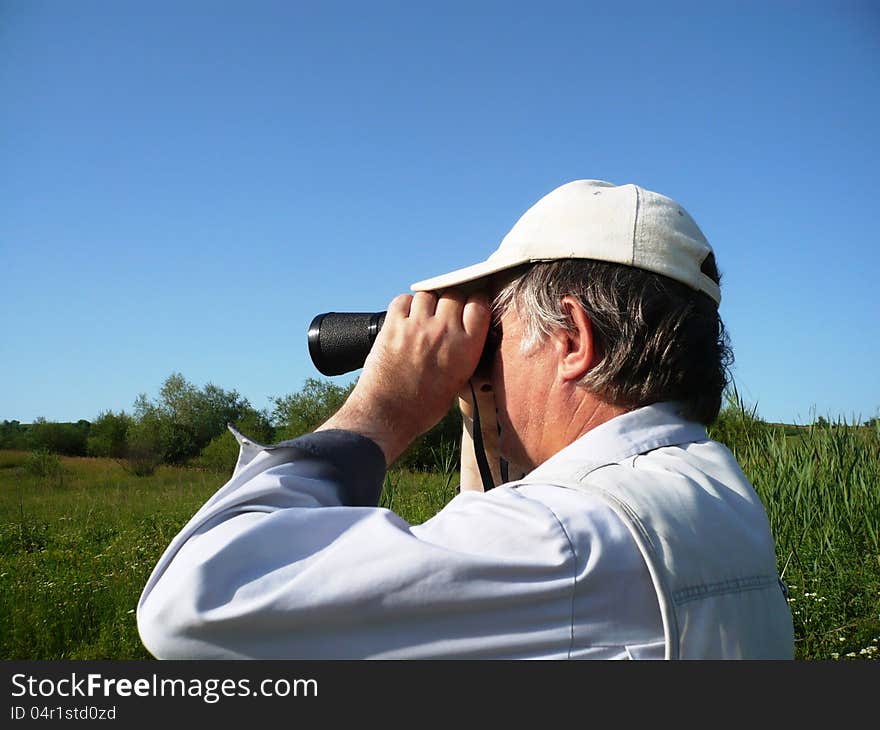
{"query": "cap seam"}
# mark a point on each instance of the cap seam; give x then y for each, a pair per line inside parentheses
(632, 258)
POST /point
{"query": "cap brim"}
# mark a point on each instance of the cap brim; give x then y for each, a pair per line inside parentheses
(466, 275)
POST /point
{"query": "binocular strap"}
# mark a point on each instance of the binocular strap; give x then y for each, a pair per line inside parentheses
(479, 448)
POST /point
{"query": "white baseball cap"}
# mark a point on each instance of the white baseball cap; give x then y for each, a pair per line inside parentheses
(594, 219)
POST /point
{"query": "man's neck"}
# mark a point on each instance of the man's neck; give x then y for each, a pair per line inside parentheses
(586, 413)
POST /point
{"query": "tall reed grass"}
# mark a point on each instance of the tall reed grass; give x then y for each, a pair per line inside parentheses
(821, 489)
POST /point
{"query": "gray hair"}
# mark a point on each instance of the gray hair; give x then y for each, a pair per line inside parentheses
(657, 339)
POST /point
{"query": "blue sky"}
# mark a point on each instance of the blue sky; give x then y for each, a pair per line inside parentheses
(185, 185)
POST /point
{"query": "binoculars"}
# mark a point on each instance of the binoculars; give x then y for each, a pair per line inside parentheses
(339, 342)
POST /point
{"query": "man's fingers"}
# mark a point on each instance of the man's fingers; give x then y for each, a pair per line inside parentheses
(400, 306)
(477, 314)
(450, 304)
(424, 304)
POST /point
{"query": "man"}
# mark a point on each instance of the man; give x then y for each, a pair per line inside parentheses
(631, 535)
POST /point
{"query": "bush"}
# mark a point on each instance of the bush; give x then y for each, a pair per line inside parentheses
(221, 454)
(44, 465)
(141, 462)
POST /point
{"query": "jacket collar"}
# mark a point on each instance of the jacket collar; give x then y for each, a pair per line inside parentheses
(635, 432)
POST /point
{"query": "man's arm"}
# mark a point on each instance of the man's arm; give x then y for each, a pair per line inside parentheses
(286, 562)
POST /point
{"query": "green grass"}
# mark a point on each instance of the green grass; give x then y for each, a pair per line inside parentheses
(77, 546)
(77, 542)
(75, 550)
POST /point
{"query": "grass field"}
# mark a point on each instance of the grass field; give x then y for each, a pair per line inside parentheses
(79, 537)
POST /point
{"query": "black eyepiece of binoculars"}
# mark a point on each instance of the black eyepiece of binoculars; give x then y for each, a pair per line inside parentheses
(339, 342)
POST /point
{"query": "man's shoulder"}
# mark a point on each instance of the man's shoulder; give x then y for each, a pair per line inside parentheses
(698, 461)
(653, 481)
(587, 519)
(529, 519)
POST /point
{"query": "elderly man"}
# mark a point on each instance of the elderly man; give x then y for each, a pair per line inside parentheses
(629, 535)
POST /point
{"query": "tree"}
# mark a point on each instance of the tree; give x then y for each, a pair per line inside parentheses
(144, 443)
(436, 446)
(108, 435)
(305, 410)
(59, 438)
(255, 425)
(184, 419)
(13, 435)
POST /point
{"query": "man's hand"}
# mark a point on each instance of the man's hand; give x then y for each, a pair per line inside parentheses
(423, 356)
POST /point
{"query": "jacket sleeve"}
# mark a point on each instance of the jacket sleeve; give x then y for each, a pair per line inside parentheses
(291, 559)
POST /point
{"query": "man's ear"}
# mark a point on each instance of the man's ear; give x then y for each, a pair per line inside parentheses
(575, 347)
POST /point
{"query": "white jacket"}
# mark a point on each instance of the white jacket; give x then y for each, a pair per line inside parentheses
(664, 551)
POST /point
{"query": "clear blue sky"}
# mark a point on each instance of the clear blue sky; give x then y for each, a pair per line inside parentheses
(184, 185)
